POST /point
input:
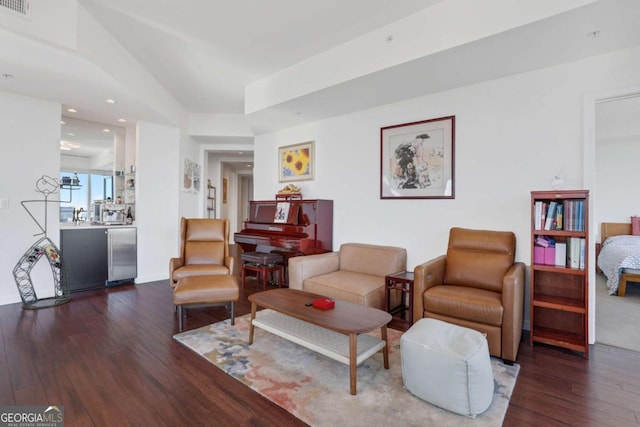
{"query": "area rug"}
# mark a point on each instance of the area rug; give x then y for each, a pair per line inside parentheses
(315, 388)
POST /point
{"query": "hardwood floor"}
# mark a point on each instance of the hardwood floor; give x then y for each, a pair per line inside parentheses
(109, 358)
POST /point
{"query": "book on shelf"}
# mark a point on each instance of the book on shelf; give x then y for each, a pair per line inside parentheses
(576, 252)
(559, 216)
(550, 216)
(537, 215)
(574, 215)
(561, 254)
(581, 215)
(573, 252)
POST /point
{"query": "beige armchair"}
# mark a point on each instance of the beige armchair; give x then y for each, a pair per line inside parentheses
(204, 249)
(355, 273)
(478, 285)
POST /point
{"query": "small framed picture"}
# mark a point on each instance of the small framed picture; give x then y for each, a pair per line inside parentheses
(225, 185)
(282, 212)
(295, 162)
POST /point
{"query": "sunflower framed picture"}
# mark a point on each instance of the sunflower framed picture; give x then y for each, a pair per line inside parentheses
(296, 162)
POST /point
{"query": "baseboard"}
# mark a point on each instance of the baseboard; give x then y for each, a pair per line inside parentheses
(145, 279)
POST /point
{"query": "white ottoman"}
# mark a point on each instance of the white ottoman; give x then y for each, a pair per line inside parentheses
(448, 366)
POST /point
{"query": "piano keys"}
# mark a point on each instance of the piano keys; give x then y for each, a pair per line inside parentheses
(297, 227)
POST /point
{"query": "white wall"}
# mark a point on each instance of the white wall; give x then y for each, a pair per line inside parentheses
(512, 136)
(30, 132)
(104, 161)
(75, 163)
(157, 199)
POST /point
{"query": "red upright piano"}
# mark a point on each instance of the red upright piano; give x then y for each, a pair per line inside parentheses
(292, 227)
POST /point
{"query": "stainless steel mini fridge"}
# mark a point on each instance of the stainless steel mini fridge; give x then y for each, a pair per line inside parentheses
(123, 254)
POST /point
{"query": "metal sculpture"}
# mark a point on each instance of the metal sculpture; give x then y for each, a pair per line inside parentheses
(47, 186)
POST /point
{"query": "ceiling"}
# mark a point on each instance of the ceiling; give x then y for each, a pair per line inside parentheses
(205, 52)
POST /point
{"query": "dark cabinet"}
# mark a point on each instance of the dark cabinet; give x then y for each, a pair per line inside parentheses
(84, 257)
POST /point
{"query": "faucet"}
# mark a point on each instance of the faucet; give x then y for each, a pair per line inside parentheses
(76, 215)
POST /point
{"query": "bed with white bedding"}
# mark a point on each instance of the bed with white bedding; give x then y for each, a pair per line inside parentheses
(619, 257)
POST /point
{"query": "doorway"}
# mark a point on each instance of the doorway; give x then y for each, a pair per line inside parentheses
(231, 172)
(616, 143)
(245, 194)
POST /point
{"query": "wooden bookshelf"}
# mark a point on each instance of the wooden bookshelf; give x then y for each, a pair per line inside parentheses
(560, 290)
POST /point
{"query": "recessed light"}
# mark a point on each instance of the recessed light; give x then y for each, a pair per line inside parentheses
(110, 101)
(72, 110)
(240, 152)
(62, 122)
(248, 166)
(106, 130)
(121, 120)
(66, 145)
(71, 134)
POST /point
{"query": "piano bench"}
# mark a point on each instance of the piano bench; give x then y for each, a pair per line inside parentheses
(262, 263)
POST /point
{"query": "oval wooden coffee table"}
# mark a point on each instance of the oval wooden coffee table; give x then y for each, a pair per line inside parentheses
(339, 332)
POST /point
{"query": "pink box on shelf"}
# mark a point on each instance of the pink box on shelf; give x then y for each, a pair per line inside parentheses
(635, 225)
(538, 255)
(550, 256)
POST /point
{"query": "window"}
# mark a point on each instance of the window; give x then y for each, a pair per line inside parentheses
(95, 185)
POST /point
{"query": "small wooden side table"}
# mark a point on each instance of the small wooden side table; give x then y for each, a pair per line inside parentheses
(401, 281)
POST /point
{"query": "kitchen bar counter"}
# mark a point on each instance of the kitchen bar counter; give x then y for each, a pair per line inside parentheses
(98, 255)
(90, 226)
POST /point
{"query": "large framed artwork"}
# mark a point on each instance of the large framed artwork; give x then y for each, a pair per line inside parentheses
(296, 162)
(417, 160)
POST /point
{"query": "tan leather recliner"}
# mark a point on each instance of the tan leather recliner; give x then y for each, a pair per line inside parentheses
(204, 249)
(478, 285)
(354, 274)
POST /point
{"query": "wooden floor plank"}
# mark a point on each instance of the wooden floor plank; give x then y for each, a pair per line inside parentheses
(109, 358)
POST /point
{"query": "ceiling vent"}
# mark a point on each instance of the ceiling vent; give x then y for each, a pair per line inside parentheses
(16, 7)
